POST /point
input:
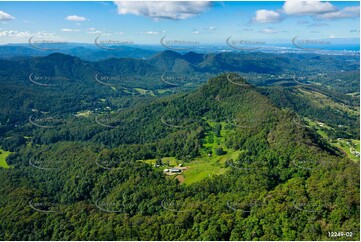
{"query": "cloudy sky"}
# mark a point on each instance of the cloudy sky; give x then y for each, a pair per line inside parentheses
(206, 22)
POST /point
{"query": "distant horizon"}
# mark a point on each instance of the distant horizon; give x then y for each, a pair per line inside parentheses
(352, 44)
(205, 22)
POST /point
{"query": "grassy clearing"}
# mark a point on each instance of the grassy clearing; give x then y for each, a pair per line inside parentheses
(202, 168)
(144, 91)
(85, 113)
(212, 141)
(208, 164)
(348, 146)
(197, 169)
(320, 100)
(162, 91)
(167, 161)
(3, 155)
(354, 94)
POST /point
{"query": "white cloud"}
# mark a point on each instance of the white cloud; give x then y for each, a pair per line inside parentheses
(206, 30)
(151, 32)
(15, 34)
(70, 30)
(94, 32)
(26, 34)
(307, 7)
(75, 18)
(317, 9)
(267, 16)
(43, 34)
(269, 31)
(347, 12)
(5, 16)
(162, 10)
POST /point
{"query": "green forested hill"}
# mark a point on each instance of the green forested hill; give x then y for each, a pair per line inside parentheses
(82, 177)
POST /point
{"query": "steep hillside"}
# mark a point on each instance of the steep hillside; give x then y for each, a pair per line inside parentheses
(250, 170)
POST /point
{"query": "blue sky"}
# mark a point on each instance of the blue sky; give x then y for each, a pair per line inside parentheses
(206, 22)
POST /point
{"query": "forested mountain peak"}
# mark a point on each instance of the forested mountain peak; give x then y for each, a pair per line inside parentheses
(168, 54)
(193, 57)
(59, 57)
(236, 147)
